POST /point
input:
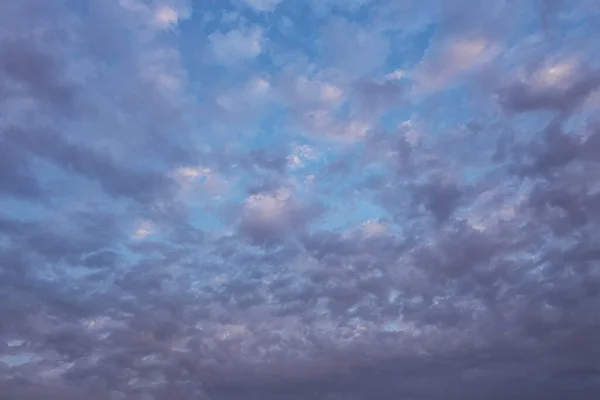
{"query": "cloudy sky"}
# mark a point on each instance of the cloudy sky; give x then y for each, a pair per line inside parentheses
(299, 199)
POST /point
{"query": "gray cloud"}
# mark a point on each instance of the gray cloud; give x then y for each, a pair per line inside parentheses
(522, 97)
(17, 179)
(113, 285)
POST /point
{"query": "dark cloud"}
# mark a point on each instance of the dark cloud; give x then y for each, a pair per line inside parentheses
(519, 96)
(16, 175)
(379, 96)
(439, 198)
(117, 180)
(270, 217)
(269, 161)
(38, 72)
(127, 272)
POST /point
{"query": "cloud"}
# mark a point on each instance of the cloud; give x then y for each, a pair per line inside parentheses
(236, 45)
(195, 203)
(268, 217)
(376, 97)
(116, 181)
(315, 103)
(560, 87)
(453, 58)
(29, 70)
(166, 17)
(160, 14)
(244, 102)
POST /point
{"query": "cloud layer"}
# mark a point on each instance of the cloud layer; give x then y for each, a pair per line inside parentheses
(276, 199)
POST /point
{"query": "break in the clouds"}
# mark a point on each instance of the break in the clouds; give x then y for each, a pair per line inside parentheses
(263, 5)
(281, 199)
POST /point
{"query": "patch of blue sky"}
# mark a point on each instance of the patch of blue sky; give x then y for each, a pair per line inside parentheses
(373, 171)
(472, 175)
(348, 203)
(270, 134)
(528, 126)
(299, 34)
(16, 360)
(406, 54)
(391, 120)
(71, 272)
(207, 220)
(392, 326)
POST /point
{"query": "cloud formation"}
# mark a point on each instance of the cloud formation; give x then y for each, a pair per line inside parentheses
(279, 199)
(236, 45)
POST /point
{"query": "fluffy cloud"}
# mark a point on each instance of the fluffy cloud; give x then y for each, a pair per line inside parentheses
(197, 203)
(270, 216)
(236, 45)
(455, 57)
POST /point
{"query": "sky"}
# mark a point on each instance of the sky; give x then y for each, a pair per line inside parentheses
(299, 199)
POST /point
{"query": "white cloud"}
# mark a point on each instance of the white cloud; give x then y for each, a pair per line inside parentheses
(236, 45)
(145, 229)
(454, 57)
(559, 74)
(268, 208)
(165, 17)
(374, 228)
(160, 15)
(192, 178)
(395, 75)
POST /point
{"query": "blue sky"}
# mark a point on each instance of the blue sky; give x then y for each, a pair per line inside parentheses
(289, 199)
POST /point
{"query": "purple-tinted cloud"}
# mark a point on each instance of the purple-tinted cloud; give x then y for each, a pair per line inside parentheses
(291, 200)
